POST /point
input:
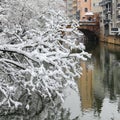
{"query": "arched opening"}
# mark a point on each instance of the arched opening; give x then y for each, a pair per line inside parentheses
(90, 35)
(91, 39)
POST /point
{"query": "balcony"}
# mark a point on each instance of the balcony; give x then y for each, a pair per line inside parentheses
(74, 6)
(118, 19)
(107, 11)
(104, 2)
(70, 9)
(118, 5)
(118, 16)
(69, 2)
(106, 21)
(74, 1)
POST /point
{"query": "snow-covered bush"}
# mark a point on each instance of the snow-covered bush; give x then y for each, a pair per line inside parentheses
(36, 53)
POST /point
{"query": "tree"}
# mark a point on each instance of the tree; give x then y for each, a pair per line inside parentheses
(36, 53)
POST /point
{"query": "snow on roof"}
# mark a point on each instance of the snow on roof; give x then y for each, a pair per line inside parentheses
(89, 13)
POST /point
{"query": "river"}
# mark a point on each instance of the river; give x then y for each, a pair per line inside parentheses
(99, 86)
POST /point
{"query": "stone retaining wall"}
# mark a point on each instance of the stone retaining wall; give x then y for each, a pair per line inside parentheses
(110, 39)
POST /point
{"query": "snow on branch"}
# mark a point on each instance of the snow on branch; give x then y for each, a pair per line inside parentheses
(36, 55)
(14, 50)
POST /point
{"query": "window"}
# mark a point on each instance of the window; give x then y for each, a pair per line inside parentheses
(86, 9)
(94, 4)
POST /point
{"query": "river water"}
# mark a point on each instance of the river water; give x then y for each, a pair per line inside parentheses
(99, 86)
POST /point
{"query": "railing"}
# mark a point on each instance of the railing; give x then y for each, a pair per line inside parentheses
(92, 26)
(106, 21)
(104, 2)
(118, 5)
(118, 16)
(87, 23)
(107, 11)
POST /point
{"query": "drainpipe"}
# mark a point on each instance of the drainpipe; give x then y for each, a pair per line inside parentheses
(90, 5)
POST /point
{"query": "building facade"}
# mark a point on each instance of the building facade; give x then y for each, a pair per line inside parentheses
(106, 16)
(110, 17)
(95, 8)
(71, 8)
(85, 6)
(74, 8)
(115, 14)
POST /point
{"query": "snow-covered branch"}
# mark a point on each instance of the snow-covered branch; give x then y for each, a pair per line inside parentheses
(36, 55)
(20, 52)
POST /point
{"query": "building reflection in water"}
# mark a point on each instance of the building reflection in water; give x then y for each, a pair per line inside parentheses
(85, 86)
(102, 82)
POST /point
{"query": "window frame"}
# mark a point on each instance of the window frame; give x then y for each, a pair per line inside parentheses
(85, 9)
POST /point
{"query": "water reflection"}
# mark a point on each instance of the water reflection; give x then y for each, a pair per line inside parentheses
(100, 84)
(85, 87)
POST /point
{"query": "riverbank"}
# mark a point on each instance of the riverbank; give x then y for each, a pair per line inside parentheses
(110, 39)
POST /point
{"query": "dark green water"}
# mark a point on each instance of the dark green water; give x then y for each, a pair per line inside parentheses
(99, 86)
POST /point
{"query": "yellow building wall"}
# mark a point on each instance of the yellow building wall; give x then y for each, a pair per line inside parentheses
(110, 39)
(85, 87)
